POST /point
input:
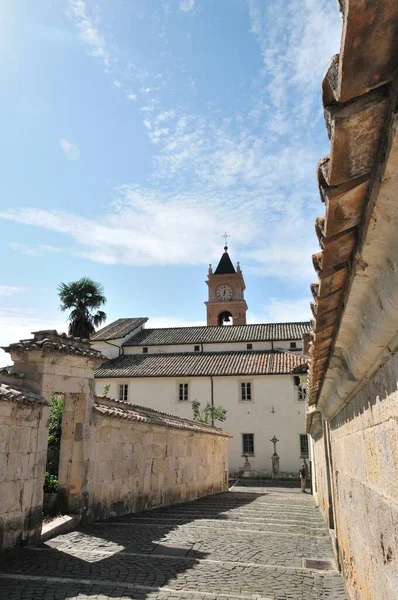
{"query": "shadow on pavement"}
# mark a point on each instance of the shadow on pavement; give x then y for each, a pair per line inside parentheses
(112, 556)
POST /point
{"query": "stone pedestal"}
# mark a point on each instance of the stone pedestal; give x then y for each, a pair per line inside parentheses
(246, 468)
(275, 466)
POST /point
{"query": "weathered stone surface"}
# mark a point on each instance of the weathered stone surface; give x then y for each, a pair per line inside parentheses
(22, 465)
(369, 47)
(363, 489)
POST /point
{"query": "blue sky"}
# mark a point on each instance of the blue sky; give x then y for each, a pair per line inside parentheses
(134, 133)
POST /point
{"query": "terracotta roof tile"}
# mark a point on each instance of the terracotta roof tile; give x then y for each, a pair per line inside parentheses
(13, 393)
(51, 341)
(197, 364)
(142, 414)
(118, 329)
(358, 102)
(205, 334)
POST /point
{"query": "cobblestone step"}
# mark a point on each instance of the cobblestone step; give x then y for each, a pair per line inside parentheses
(178, 552)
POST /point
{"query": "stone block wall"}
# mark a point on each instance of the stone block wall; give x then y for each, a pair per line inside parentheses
(363, 457)
(23, 450)
(115, 458)
(364, 446)
(136, 466)
(320, 479)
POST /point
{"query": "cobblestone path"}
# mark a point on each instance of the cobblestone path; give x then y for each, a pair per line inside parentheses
(249, 543)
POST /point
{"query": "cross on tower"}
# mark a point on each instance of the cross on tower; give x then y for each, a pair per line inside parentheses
(274, 440)
(226, 236)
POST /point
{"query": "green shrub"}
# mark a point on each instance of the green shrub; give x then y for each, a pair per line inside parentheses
(209, 413)
(54, 433)
(50, 483)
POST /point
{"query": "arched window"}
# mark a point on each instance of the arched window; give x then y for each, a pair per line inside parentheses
(225, 318)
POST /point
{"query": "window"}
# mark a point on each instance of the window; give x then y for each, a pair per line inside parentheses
(301, 392)
(246, 392)
(145, 350)
(293, 345)
(249, 346)
(303, 445)
(196, 348)
(248, 443)
(182, 392)
(123, 392)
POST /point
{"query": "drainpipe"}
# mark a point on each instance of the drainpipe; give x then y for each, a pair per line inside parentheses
(212, 398)
(116, 346)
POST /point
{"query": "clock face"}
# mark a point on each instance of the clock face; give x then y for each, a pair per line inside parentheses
(224, 292)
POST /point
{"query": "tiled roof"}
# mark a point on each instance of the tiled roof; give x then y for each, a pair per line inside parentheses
(197, 364)
(358, 105)
(142, 414)
(13, 393)
(205, 334)
(51, 341)
(118, 329)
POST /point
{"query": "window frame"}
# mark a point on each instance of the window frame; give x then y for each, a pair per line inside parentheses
(249, 346)
(248, 453)
(184, 387)
(124, 393)
(293, 345)
(304, 448)
(145, 350)
(196, 348)
(245, 382)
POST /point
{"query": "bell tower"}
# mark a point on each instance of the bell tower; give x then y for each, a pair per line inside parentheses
(226, 303)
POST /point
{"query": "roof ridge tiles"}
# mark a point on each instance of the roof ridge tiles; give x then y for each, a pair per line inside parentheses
(121, 409)
(158, 336)
(200, 364)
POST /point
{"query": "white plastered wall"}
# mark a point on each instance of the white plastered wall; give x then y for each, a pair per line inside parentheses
(220, 347)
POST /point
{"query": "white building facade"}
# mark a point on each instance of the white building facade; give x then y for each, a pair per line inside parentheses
(250, 370)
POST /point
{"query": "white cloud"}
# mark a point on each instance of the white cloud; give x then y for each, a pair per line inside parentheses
(187, 5)
(132, 97)
(71, 151)
(117, 84)
(287, 310)
(18, 324)
(36, 250)
(251, 172)
(296, 41)
(148, 227)
(10, 290)
(89, 32)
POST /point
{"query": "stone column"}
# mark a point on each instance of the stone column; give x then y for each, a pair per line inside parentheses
(52, 362)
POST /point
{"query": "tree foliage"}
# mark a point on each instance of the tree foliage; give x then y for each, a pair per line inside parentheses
(209, 413)
(85, 297)
(54, 433)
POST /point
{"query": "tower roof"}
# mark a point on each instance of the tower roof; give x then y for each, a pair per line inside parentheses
(225, 266)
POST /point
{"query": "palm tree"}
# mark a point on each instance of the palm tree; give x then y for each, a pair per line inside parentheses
(84, 296)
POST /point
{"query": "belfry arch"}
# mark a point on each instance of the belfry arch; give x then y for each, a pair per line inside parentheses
(225, 318)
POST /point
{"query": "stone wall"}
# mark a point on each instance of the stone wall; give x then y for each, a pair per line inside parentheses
(23, 448)
(135, 466)
(364, 449)
(320, 479)
(115, 457)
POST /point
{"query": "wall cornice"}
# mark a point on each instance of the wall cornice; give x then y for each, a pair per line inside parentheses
(367, 336)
